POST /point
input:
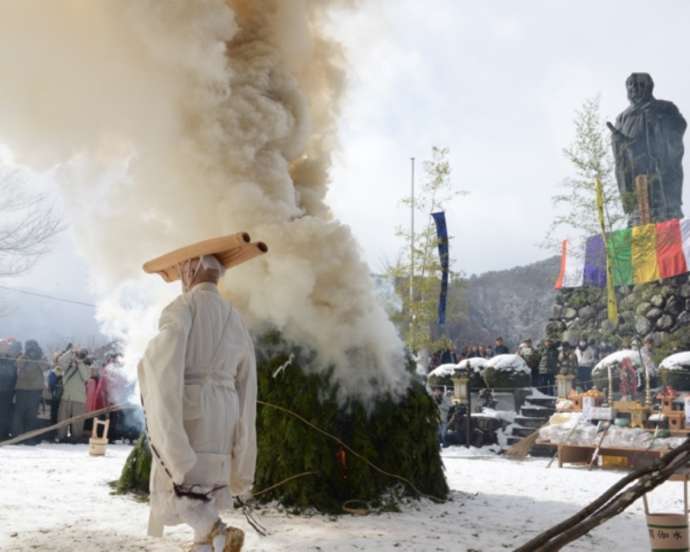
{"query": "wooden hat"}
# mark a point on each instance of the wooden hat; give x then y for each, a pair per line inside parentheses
(230, 250)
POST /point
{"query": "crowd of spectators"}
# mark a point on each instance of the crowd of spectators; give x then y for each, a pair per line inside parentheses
(545, 360)
(37, 392)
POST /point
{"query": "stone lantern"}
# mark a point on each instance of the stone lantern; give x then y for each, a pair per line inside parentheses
(461, 386)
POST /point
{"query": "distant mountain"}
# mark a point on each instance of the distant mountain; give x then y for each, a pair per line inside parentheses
(514, 304)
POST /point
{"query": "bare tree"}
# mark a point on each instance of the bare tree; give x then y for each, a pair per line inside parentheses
(28, 221)
(421, 312)
(592, 159)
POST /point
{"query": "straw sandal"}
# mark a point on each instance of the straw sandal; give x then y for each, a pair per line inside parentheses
(233, 538)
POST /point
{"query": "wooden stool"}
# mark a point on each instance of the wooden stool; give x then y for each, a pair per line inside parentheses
(97, 444)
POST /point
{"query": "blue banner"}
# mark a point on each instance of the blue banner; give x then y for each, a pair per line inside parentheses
(442, 235)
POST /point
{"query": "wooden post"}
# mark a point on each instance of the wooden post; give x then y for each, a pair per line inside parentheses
(468, 417)
(642, 192)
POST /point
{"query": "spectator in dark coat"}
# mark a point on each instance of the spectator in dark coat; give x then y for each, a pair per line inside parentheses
(10, 350)
(448, 355)
(29, 388)
(548, 366)
(500, 348)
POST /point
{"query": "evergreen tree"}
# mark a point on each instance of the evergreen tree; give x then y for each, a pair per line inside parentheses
(397, 434)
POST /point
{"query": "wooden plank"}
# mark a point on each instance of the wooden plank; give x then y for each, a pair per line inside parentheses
(582, 454)
(74, 419)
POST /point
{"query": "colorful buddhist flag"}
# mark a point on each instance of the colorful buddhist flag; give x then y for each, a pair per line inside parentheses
(636, 255)
(572, 267)
(644, 261)
(611, 301)
(669, 249)
(620, 248)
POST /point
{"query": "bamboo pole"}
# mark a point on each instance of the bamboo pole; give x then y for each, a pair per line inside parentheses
(611, 503)
(63, 423)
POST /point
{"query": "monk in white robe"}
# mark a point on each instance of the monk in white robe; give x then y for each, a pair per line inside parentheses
(198, 386)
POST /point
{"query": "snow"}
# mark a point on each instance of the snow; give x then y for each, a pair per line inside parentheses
(536, 394)
(617, 357)
(512, 363)
(572, 429)
(443, 370)
(56, 498)
(476, 363)
(677, 361)
(505, 415)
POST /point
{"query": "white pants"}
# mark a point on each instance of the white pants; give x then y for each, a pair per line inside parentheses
(200, 516)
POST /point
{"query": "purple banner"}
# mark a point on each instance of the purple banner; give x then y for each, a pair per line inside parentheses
(595, 262)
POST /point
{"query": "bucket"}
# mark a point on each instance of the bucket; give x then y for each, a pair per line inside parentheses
(98, 444)
(668, 531)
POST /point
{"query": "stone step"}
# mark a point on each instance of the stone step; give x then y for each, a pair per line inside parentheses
(512, 439)
(542, 451)
(523, 431)
(549, 402)
(526, 421)
(536, 412)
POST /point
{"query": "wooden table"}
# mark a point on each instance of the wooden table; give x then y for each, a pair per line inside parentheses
(582, 454)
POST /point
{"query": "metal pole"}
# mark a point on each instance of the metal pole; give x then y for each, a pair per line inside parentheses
(412, 207)
(468, 417)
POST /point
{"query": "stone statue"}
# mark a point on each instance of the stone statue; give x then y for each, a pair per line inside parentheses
(648, 150)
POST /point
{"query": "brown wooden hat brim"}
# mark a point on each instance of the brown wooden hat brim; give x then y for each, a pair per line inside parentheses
(230, 250)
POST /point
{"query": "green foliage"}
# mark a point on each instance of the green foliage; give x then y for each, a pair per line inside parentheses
(399, 436)
(506, 379)
(592, 159)
(675, 342)
(678, 379)
(134, 477)
(417, 319)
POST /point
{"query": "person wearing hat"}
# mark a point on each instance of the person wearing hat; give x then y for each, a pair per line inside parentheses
(198, 387)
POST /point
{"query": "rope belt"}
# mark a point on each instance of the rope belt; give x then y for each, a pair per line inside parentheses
(210, 379)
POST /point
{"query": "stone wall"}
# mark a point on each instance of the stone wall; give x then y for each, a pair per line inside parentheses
(659, 309)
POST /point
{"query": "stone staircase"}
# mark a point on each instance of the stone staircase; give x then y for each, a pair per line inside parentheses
(534, 413)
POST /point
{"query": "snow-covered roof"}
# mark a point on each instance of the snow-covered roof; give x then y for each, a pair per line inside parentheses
(477, 363)
(677, 361)
(617, 357)
(443, 370)
(512, 363)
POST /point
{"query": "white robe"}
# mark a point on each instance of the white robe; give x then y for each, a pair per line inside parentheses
(198, 386)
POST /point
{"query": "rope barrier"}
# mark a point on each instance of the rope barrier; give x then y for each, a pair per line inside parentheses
(283, 482)
(50, 297)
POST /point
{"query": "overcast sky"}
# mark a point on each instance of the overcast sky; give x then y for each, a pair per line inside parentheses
(496, 82)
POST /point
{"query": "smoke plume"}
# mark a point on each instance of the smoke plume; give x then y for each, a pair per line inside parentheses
(170, 121)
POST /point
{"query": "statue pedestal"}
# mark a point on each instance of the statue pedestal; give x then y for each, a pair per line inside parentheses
(564, 385)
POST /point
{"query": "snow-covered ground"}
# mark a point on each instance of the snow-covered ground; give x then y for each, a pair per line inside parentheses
(56, 497)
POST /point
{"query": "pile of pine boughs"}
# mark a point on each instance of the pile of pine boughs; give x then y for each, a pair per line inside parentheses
(398, 436)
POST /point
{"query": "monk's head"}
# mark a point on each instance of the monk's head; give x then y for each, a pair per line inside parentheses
(206, 269)
(640, 87)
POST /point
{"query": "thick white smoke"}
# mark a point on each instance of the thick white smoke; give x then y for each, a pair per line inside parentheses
(173, 121)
